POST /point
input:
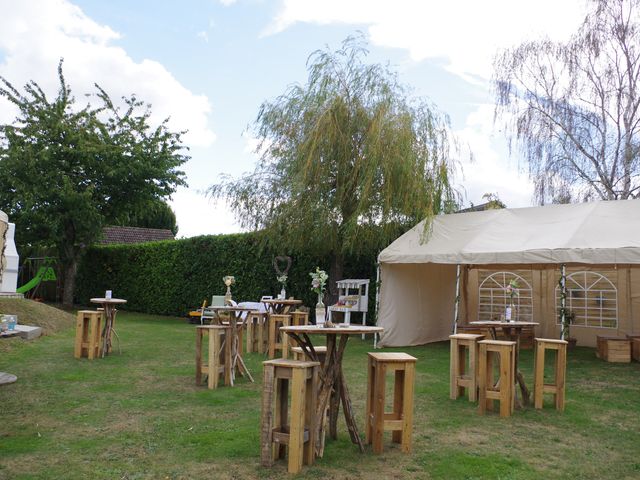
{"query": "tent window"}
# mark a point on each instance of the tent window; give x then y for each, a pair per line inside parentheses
(493, 298)
(592, 298)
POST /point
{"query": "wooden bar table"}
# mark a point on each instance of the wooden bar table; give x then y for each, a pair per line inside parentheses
(333, 388)
(512, 331)
(109, 305)
(236, 322)
(280, 306)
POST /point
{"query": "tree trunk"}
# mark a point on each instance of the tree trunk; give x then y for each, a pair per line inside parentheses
(70, 272)
(335, 273)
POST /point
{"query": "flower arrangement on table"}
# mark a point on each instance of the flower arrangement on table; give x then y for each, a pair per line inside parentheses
(318, 281)
(512, 292)
(282, 279)
(228, 281)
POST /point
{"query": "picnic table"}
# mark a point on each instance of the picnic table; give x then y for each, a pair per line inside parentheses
(512, 331)
(109, 305)
(333, 387)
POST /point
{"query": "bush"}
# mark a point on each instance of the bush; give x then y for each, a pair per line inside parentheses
(173, 277)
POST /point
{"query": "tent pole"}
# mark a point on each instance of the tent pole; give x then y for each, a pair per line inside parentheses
(377, 302)
(457, 304)
(563, 299)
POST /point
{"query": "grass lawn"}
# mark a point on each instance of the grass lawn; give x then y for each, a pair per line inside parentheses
(139, 415)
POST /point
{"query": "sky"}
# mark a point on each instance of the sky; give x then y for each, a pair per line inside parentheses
(208, 65)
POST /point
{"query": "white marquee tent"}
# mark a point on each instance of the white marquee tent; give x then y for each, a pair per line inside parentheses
(599, 242)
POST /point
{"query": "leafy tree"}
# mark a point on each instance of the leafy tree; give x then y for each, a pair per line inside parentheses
(574, 108)
(157, 214)
(66, 171)
(347, 160)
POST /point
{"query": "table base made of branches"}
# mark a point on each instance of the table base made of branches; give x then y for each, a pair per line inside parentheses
(333, 389)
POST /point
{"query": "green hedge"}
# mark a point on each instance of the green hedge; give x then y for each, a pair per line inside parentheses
(172, 277)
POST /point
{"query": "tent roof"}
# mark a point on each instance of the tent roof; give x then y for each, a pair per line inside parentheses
(591, 233)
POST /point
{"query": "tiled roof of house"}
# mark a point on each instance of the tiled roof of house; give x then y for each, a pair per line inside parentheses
(492, 205)
(111, 235)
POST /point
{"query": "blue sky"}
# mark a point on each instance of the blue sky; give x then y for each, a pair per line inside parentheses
(209, 64)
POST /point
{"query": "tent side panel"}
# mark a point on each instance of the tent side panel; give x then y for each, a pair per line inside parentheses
(416, 303)
(634, 281)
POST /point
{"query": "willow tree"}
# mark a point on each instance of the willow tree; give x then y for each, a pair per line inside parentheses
(346, 160)
(574, 108)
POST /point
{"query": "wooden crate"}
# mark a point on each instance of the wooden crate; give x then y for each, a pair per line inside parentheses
(613, 349)
(635, 345)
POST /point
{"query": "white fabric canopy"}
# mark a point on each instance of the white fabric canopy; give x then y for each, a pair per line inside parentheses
(591, 233)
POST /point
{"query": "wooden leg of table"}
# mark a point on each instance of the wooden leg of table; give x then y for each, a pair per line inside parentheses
(371, 371)
(334, 408)
(296, 422)
(348, 413)
(282, 401)
(272, 338)
(198, 356)
(378, 408)
(398, 391)
(310, 418)
(228, 358)
(266, 449)
(407, 408)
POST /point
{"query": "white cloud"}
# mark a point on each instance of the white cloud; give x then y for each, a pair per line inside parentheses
(203, 35)
(466, 33)
(197, 215)
(35, 34)
(226, 3)
(489, 172)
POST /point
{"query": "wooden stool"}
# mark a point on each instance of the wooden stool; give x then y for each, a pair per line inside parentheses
(278, 341)
(462, 378)
(299, 318)
(321, 352)
(88, 334)
(504, 390)
(255, 332)
(400, 420)
(613, 349)
(635, 345)
(219, 355)
(300, 433)
(556, 388)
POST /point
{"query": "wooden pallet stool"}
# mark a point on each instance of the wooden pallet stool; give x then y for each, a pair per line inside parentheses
(293, 427)
(613, 349)
(298, 354)
(278, 341)
(255, 332)
(400, 420)
(504, 389)
(462, 377)
(89, 325)
(299, 318)
(219, 355)
(556, 388)
(635, 345)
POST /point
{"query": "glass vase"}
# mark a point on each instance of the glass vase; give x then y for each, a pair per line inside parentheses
(321, 311)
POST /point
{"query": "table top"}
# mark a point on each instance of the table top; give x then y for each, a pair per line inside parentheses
(229, 308)
(319, 329)
(282, 301)
(499, 323)
(108, 300)
(9, 333)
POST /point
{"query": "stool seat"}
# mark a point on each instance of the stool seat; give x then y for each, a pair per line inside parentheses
(400, 420)
(278, 341)
(462, 377)
(292, 426)
(88, 334)
(504, 389)
(557, 387)
(219, 355)
(298, 353)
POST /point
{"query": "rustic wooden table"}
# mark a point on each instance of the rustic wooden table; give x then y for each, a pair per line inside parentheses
(333, 388)
(280, 306)
(109, 305)
(512, 331)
